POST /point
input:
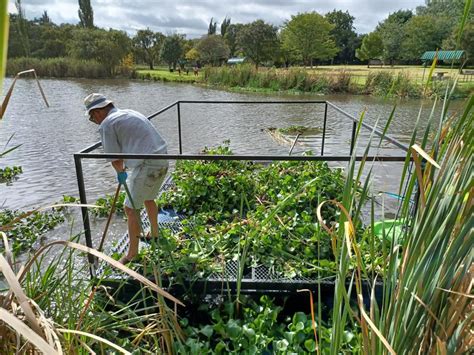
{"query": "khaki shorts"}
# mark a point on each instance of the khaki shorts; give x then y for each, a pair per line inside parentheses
(144, 183)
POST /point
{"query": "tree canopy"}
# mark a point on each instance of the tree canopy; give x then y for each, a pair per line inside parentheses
(213, 49)
(433, 29)
(258, 41)
(86, 14)
(147, 46)
(371, 47)
(308, 35)
(172, 50)
(391, 31)
(343, 34)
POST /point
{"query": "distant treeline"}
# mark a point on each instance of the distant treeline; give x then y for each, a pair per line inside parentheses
(305, 39)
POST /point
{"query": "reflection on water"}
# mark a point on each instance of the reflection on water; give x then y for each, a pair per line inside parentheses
(49, 137)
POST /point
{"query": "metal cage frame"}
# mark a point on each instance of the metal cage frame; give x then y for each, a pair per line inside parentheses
(88, 153)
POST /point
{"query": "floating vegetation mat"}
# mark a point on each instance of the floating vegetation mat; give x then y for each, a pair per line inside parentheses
(245, 225)
(287, 136)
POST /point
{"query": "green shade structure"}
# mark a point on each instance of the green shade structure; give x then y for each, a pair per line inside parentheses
(233, 61)
(444, 55)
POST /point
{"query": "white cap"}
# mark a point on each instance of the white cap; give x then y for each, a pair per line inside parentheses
(94, 101)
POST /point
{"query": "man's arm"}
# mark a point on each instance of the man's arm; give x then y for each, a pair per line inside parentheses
(118, 165)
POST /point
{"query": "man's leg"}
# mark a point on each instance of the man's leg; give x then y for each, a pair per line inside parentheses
(133, 234)
(152, 211)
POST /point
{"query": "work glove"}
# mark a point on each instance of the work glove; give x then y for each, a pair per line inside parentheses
(122, 177)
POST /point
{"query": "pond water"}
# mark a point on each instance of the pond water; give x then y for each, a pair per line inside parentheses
(50, 136)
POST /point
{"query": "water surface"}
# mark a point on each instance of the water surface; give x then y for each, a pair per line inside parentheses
(50, 136)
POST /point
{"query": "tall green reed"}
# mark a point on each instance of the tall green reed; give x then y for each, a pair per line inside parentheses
(3, 39)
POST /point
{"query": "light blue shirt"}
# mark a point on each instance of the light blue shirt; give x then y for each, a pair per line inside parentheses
(128, 131)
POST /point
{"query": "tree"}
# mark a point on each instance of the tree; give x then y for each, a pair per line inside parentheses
(86, 14)
(231, 38)
(213, 49)
(224, 26)
(392, 32)
(107, 47)
(48, 40)
(212, 27)
(466, 42)
(453, 9)
(192, 55)
(45, 19)
(371, 47)
(147, 46)
(433, 29)
(22, 25)
(172, 50)
(258, 41)
(308, 34)
(343, 34)
(287, 53)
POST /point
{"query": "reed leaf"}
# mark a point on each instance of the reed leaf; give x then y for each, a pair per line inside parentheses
(4, 26)
(19, 295)
(25, 331)
(107, 259)
(95, 337)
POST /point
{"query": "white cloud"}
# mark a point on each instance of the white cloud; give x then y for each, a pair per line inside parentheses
(192, 17)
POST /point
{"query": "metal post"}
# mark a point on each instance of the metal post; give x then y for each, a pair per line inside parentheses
(179, 129)
(294, 143)
(85, 213)
(324, 128)
(354, 127)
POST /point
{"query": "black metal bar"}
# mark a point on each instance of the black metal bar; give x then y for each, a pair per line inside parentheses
(179, 129)
(238, 157)
(91, 147)
(85, 213)
(365, 125)
(354, 128)
(251, 102)
(164, 109)
(376, 131)
(324, 128)
(98, 144)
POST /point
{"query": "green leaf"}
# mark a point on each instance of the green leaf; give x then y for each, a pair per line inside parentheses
(289, 336)
(249, 332)
(207, 330)
(299, 317)
(310, 345)
(220, 347)
(299, 326)
(234, 330)
(282, 345)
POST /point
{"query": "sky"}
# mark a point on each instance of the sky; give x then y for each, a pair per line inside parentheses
(192, 17)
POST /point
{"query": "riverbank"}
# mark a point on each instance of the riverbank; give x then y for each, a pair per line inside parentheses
(396, 81)
(406, 82)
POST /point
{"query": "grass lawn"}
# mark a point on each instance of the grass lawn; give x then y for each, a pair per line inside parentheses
(358, 74)
(417, 73)
(164, 74)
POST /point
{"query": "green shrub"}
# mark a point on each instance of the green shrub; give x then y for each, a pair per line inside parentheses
(58, 67)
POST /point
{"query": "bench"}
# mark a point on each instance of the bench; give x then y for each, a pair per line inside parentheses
(468, 74)
(439, 75)
(375, 62)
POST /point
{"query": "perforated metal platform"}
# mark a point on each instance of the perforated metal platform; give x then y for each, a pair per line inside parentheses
(258, 279)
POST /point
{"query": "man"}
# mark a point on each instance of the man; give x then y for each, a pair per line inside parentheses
(128, 131)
